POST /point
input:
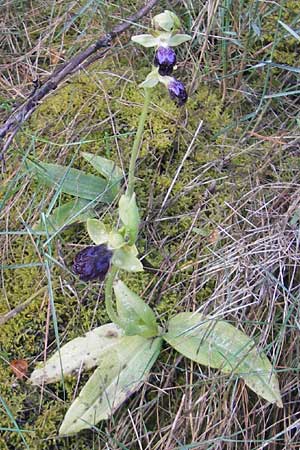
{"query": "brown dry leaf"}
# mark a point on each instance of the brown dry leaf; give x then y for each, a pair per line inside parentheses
(19, 368)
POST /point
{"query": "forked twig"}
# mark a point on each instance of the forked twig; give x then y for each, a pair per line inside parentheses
(24, 111)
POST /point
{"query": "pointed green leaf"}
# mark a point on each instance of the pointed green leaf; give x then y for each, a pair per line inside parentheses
(136, 317)
(218, 344)
(121, 371)
(81, 353)
(124, 258)
(178, 39)
(129, 215)
(66, 214)
(97, 231)
(106, 168)
(72, 181)
(146, 40)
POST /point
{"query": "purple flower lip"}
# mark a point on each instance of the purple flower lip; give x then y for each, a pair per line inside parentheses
(165, 60)
(177, 91)
(92, 262)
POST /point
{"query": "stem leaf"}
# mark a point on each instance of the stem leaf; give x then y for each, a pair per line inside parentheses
(72, 181)
(66, 214)
(107, 168)
(136, 317)
(129, 215)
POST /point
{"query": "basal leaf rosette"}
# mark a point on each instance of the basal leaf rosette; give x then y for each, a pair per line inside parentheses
(121, 371)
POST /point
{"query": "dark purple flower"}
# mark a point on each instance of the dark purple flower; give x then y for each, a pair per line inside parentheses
(165, 60)
(177, 91)
(92, 262)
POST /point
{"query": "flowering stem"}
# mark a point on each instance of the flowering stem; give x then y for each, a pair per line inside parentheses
(137, 142)
(109, 296)
(130, 189)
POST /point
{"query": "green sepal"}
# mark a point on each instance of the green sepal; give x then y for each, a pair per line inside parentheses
(167, 21)
(125, 258)
(146, 40)
(151, 79)
(115, 240)
(130, 217)
(178, 39)
(136, 317)
(97, 231)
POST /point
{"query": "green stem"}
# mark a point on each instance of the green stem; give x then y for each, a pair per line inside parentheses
(109, 295)
(137, 143)
(130, 189)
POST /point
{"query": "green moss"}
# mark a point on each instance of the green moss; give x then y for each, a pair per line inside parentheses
(286, 48)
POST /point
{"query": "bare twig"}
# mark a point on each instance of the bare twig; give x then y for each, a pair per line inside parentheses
(23, 112)
(14, 312)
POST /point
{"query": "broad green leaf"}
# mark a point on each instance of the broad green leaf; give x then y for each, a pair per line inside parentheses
(106, 168)
(72, 181)
(146, 40)
(218, 344)
(129, 215)
(178, 39)
(64, 215)
(97, 231)
(124, 258)
(80, 353)
(136, 317)
(121, 371)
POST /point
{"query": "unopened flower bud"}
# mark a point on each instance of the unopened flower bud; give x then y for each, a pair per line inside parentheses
(165, 60)
(92, 262)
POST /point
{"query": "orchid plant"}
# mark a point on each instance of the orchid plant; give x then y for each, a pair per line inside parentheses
(124, 350)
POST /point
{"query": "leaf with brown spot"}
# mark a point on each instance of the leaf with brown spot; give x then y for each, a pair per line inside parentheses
(81, 353)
